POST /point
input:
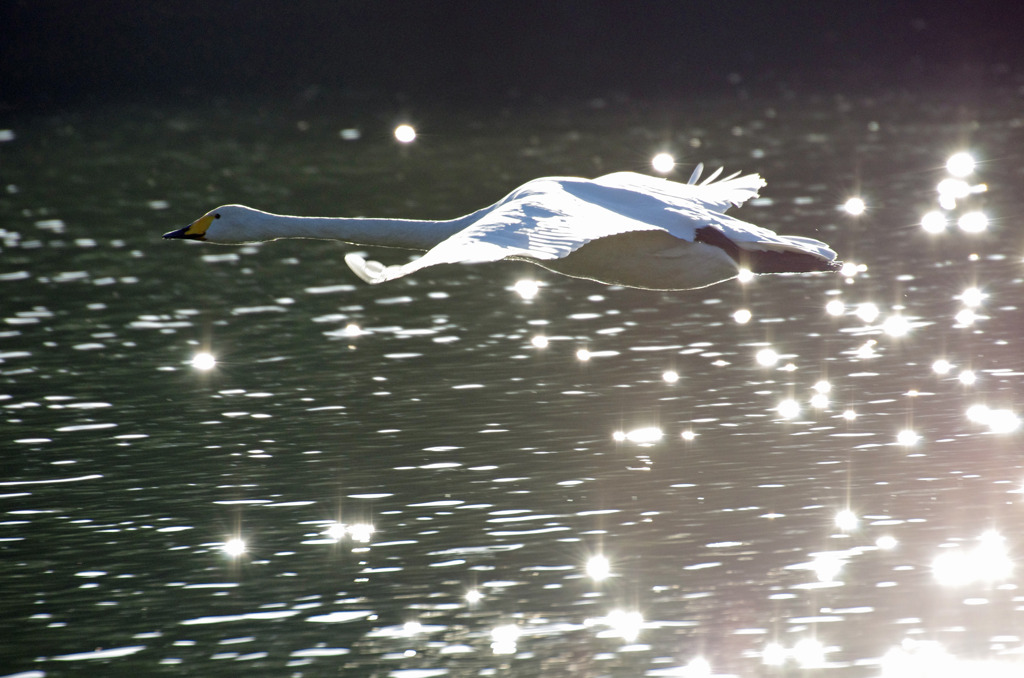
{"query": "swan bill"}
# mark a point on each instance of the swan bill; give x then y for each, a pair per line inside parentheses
(183, 234)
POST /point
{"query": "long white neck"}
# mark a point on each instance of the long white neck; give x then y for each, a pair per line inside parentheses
(404, 233)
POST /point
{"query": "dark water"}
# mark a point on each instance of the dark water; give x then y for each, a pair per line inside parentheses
(458, 418)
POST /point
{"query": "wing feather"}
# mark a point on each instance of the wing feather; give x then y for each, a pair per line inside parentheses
(549, 218)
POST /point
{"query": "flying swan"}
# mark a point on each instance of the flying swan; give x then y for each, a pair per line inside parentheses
(620, 229)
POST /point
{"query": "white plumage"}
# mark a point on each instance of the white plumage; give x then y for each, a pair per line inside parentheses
(623, 228)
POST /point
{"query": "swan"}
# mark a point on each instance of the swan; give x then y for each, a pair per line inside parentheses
(619, 229)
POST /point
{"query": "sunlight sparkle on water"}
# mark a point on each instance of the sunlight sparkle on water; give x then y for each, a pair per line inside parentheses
(953, 189)
(697, 668)
(204, 361)
(663, 163)
(405, 133)
(742, 316)
(504, 638)
(598, 567)
(526, 288)
(766, 357)
(774, 654)
(688, 435)
(827, 566)
(960, 164)
(646, 435)
(670, 376)
(866, 350)
(967, 377)
(896, 326)
(745, 275)
(934, 222)
(819, 401)
(336, 531)
(928, 659)
(361, 532)
(583, 355)
(886, 542)
(907, 437)
(788, 409)
(850, 269)
(625, 624)
(942, 366)
(988, 562)
(809, 653)
(972, 222)
(822, 386)
(867, 312)
(835, 308)
(473, 596)
(965, 317)
(539, 341)
(846, 520)
(854, 206)
(849, 415)
(998, 420)
(972, 297)
(234, 547)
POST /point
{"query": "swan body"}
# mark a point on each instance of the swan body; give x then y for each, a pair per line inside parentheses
(620, 229)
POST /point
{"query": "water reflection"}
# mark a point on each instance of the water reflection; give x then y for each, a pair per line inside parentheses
(476, 475)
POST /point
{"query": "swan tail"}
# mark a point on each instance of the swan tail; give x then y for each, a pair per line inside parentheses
(775, 253)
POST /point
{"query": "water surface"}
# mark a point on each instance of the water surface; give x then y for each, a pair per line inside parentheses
(448, 475)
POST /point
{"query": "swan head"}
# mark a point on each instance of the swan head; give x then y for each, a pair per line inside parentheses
(230, 224)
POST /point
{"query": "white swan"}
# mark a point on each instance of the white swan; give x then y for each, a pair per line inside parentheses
(620, 229)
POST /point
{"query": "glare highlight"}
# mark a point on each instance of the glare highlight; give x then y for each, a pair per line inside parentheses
(788, 409)
(626, 625)
(960, 164)
(405, 134)
(854, 207)
(646, 435)
(846, 520)
(526, 288)
(907, 438)
(934, 222)
(204, 361)
(987, 562)
(504, 639)
(835, 308)
(663, 163)
(997, 420)
(598, 567)
(234, 547)
(896, 326)
(973, 222)
(867, 312)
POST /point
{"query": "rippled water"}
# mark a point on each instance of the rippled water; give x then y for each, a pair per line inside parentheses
(448, 475)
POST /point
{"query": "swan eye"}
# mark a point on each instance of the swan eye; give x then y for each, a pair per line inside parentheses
(216, 216)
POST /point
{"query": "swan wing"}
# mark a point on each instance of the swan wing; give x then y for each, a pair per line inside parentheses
(710, 194)
(541, 220)
(705, 203)
(549, 218)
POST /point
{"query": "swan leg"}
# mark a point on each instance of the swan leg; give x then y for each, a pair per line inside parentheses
(368, 270)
